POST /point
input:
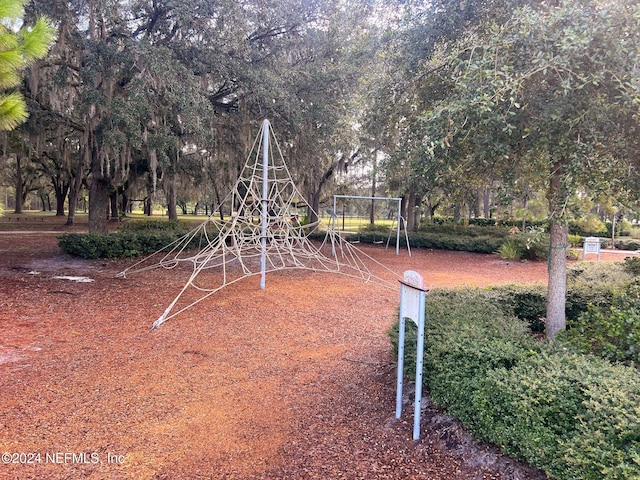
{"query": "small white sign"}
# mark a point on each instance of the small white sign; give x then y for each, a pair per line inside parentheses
(412, 306)
(410, 297)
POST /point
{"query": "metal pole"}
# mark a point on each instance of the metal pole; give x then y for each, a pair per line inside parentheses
(401, 333)
(334, 221)
(419, 363)
(265, 205)
(398, 232)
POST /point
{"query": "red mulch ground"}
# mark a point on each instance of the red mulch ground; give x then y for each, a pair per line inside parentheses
(293, 382)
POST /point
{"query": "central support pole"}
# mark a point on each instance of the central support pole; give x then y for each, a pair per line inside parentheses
(265, 203)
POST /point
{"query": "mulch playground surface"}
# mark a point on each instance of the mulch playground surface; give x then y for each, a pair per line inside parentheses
(296, 381)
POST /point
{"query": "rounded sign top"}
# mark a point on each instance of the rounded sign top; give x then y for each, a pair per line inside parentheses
(414, 279)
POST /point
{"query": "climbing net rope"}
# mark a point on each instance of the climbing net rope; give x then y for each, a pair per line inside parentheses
(262, 235)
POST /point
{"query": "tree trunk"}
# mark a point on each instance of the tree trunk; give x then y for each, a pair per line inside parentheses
(314, 205)
(61, 196)
(415, 212)
(113, 205)
(403, 212)
(125, 206)
(613, 230)
(557, 288)
(172, 208)
(98, 195)
(19, 186)
(74, 188)
(148, 206)
(60, 189)
(411, 200)
(486, 203)
(457, 215)
(99, 203)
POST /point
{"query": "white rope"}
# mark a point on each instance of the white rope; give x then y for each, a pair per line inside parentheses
(236, 244)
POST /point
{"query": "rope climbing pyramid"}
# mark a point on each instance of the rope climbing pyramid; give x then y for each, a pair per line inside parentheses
(262, 235)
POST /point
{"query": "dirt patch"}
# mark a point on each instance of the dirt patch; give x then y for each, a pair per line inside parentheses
(296, 381)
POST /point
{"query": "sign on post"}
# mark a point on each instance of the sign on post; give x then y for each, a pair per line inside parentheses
(412, 304)
(591, 245)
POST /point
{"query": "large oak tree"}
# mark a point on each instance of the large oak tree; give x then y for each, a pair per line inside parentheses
(554, 90)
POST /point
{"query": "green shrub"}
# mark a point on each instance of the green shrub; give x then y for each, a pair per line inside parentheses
(531, 409)
(155, 225)
(564, 413)
(535, 244)
(478, 244)
(589, 283)
(510, 250)
(593, 283)
(118, 245)
(526, 302)
(575, 240)
(598, 273)
(606, 442)
(465, 230)
(613, 331)
(627, 244)
(382, 229)
(632, 265)
(588, 226)
(460, 351)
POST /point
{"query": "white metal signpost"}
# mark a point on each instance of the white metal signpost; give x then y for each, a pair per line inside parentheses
(591, 245)
(412, 304)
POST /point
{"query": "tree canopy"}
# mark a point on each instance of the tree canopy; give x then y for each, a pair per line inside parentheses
(553, 91)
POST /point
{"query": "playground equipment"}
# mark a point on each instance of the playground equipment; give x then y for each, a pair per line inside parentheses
(262, 235)
(396, 225)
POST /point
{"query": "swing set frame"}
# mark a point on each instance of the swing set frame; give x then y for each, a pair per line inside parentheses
(399, 218)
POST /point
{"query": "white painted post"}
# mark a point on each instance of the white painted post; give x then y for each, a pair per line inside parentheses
(401, 331)
(419, 365)
(412, 305)
(265, 205)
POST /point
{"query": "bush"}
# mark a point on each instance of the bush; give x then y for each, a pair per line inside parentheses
(382, 229)
(154, 225)
(611, 332)
(593, 283)
(632, 265)
(627, 244)
(575, 240)
(478, 244)
(119, 245)
(526, 302)
(587, 226)
(564, 413)
(612, 274)
(510, 250)
(606, 443)
(466, 230)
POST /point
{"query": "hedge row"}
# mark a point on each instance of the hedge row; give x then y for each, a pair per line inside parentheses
(114, 245)
(588, 284)
(574, 416)
(149, 236)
